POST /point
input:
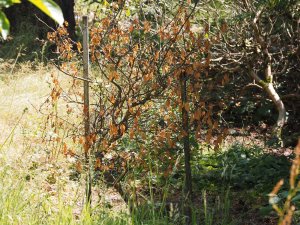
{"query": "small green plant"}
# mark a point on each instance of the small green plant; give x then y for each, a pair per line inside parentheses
(286, 210)
(241, 167)
(216, 209)
(208, 216)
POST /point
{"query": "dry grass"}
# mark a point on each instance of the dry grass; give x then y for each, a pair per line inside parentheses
(22, 143)
(19, 93)
(22, 129)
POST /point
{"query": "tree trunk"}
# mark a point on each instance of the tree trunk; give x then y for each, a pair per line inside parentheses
(272, 93)
(268, 83)
(187, 151)
(67, 7)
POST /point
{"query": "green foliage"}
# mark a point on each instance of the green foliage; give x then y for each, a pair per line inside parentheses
(242, 168)
(19, 204)
(216, 210)
(25, 46)
(49, 7)
(4, 25)
(249, 172)
(247, 168)
(161, 166)
(8, 3)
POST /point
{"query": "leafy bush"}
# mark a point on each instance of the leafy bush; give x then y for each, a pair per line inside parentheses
(242, 168)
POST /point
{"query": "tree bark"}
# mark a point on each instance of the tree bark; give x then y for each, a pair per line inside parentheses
(187, 151)
(67, 7)
(268, 83)
(272, 93)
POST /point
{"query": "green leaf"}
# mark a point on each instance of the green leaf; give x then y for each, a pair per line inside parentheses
(4, 25)
(266, 210)
(105, 3)
(8, 3)
(296, 198)
(50, 8)
(15, 1)
(128, 13)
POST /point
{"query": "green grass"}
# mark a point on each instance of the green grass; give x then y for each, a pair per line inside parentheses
(36, 185)
(20, 204)
(23, 45)
(33, 188)
(23, 202)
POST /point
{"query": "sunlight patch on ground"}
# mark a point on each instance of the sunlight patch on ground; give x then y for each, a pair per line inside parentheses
(22, 131)
(19, 99)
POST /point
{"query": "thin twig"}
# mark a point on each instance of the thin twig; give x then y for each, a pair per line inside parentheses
(70, 75)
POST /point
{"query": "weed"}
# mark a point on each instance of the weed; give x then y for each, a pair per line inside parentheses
(24, 45)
